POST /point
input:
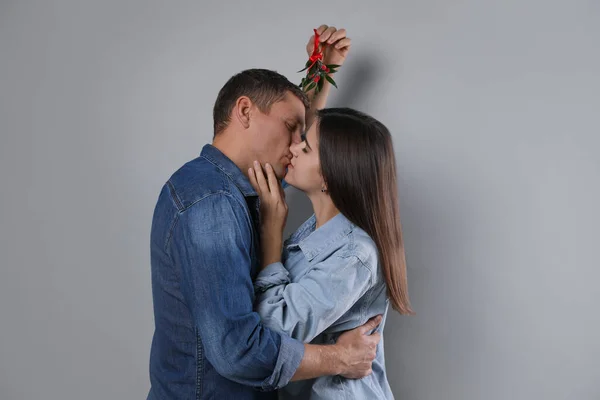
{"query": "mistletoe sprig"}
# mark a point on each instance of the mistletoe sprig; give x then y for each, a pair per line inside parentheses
(316, 71)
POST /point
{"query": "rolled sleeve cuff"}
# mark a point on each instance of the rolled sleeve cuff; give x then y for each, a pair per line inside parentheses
(291, 353)
(272, 275)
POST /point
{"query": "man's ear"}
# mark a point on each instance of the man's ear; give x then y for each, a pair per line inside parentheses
(242, 111)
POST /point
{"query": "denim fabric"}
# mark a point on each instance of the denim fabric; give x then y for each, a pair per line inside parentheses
(329, 281)
(208, 342)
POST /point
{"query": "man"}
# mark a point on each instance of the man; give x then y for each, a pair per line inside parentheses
(205, 251)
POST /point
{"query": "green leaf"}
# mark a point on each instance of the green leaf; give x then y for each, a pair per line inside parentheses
(330, 80)
(333, 66)
(311, 86)
(306, 82)
(320, 84)
(308, 64)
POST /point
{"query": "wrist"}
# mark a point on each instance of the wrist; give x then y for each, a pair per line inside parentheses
(339, 357)
(271, 249)
(271, 240)
(271, 259)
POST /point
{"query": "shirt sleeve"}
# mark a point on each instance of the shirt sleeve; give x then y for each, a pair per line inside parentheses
(305, 308)
(211, 244)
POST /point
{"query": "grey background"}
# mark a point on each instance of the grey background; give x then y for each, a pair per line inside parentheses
(494, 107)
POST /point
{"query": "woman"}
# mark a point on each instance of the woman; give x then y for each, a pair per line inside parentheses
(346, 263)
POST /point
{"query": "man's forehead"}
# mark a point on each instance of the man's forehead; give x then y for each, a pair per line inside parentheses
(294, 108)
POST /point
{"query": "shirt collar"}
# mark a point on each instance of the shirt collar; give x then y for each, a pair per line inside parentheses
(313, 241)
(215, 156)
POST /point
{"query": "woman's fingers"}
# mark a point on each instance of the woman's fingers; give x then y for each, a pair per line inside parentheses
(260, 178)
(265, 185)
(253, 181)
(346, 42)
(337, 35)
(272, 180)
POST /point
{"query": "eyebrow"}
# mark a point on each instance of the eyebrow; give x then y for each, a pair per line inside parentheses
(297, 122)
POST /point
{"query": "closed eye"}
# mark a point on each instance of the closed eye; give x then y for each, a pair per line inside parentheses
(291, 128)
(303, 138)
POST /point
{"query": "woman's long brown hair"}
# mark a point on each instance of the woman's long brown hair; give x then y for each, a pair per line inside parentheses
(359, 168)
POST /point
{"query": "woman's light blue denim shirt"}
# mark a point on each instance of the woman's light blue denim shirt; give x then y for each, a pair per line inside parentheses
(328, 281)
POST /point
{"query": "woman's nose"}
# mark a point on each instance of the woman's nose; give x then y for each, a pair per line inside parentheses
(294, 150)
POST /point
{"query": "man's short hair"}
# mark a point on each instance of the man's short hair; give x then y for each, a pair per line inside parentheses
(262, 86)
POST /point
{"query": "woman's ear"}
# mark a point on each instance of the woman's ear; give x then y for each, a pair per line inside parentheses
(323, 185)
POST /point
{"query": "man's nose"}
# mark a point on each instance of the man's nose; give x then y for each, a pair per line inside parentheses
(292, 150)
(296, 138)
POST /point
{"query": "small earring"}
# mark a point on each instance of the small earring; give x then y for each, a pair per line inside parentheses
(323, 190)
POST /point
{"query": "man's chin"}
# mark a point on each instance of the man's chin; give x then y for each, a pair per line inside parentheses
(280, 173)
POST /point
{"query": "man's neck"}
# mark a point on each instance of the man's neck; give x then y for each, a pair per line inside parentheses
(226, 144)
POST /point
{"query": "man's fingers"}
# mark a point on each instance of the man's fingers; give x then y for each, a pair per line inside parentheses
(371, 324)
(376, 336)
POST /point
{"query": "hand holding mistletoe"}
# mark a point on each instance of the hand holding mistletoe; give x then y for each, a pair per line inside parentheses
(327, 50)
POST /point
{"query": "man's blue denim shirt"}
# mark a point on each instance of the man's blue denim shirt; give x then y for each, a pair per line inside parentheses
(208, 342)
